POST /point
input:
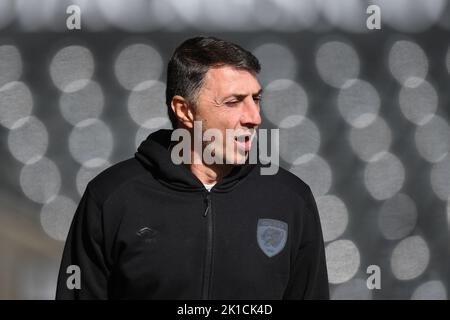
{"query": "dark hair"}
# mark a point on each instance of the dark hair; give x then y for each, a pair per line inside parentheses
(191, 61)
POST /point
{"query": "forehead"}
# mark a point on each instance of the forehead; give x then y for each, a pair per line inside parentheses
(228, 80)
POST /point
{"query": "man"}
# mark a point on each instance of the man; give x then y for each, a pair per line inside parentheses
(154, 229)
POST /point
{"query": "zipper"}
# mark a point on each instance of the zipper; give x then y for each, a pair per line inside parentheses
(208, 204)
(209, 248)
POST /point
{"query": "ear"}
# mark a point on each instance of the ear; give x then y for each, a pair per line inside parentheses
(183, 112)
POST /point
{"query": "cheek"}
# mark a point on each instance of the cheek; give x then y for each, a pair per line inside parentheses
(207, 115)
(223, 118)
(230, 119)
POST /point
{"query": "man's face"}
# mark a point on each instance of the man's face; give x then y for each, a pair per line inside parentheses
(229, 99)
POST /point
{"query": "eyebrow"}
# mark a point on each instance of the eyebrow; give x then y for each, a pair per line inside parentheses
(242, 96)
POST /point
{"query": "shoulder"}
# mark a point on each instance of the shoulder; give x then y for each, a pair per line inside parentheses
(282, 178)
(285, 182)
(115, 178)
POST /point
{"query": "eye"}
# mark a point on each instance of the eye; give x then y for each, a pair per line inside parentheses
(232, 103)
(257, 99)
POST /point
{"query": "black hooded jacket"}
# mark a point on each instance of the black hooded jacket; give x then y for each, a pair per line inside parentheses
(146, 228)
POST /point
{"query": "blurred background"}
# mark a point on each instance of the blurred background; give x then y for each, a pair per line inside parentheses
(363, 117)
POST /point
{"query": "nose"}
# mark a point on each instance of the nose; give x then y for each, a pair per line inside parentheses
(251, 114)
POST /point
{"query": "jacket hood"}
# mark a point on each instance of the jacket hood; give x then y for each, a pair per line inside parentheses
(154, 154)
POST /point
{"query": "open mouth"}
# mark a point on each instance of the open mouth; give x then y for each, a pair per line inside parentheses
(244, 142)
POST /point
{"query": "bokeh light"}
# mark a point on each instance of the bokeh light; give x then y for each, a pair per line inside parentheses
(408, 63)
(433, 139)
(92, 19)
(315, 171)
(147, 105)
(410, 15)
(188, 12)
(233, 15)
(284, 103)
(348, 15)
(266, 15)
(137, 63)
(10, 63)
(430, 290)
(164, 14)
(16, 103)
(410, 258)
(296, 15)
(28, 140)
(35, 15)
(299, 140)
(82, 104)
(91, 142)
(41, 180)
(368, 142)
(343, 260)
(333, 216)
(397, 217)
(418, 104)
(337, 63)
(359, 103)
(440, 178)
(71, 68)
(56, 216)
(223, 15)
(384, 176)
(278, 61)
(133, 16)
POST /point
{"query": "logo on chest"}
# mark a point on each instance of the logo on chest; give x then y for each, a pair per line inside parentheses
(148, 235)
(271, 235)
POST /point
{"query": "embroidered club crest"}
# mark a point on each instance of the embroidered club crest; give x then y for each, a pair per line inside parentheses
(271, 235)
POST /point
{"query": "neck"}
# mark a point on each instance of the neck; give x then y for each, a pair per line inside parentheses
(210, 173)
